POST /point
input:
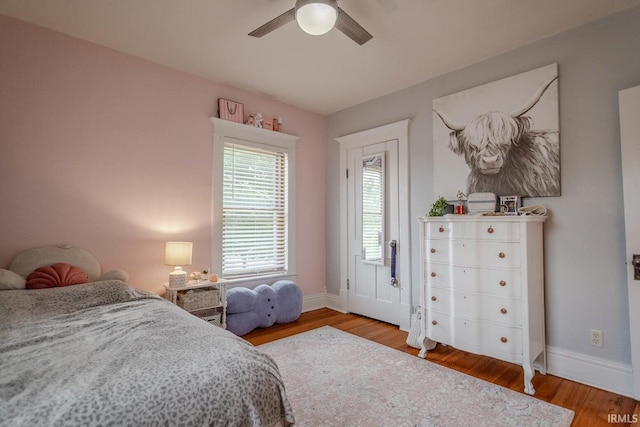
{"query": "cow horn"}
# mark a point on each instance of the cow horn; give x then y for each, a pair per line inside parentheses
(534, 99)
(448, 122)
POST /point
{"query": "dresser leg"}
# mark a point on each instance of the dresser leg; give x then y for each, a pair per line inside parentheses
(528, 376)
(423, 348)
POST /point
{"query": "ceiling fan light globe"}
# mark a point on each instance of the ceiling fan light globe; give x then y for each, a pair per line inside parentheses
(316, 18)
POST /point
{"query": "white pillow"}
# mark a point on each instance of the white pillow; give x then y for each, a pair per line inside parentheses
(10, 280)
(114, 275)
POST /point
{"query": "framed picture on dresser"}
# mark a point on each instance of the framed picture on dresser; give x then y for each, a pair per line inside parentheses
(509, 205)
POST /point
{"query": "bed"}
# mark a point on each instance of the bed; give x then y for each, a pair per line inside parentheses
(107, 353)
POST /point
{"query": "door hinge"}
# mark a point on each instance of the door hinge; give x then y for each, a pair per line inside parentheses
(347, 284)
(347, 173)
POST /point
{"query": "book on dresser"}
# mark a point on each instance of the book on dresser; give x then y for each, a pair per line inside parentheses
(482, 287)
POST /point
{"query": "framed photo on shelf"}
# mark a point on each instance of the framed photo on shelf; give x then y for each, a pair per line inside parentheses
(509, 205)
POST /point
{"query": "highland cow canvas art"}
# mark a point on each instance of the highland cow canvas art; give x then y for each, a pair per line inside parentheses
(501, 137)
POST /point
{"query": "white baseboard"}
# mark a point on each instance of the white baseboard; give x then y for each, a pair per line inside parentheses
(604, 374)
(338, 302)
(314, 302)
(325, 300)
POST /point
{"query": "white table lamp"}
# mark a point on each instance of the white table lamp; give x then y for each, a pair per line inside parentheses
(178, 254)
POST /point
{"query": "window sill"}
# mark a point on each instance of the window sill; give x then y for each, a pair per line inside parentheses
(253, 281)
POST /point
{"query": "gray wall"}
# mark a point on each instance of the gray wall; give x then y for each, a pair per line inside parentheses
(585, 270)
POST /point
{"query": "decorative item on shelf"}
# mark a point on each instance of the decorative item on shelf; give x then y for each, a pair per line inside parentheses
(481, 203)
(230, 110)
(509, 205)
(277, 123)
(213, 278)
(460, 204)
(178, 254)
(533, 210)
(255, 120)
(204, 275)
(440, 207)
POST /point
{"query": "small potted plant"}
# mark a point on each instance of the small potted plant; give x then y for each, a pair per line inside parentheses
(440, 207)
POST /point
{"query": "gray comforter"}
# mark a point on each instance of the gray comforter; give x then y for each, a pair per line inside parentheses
(106, 353)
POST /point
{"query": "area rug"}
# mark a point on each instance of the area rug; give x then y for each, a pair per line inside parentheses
(334, 378)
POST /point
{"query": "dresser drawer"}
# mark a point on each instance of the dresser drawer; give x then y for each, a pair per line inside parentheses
(438, 326)
(492, 230)
(485, 254)
(438, 274)
(500, 341)
(467, 333)
(437, 250)
(484, 307)
(438, 299)
(443, 230)
(504, 283)
(503, 311)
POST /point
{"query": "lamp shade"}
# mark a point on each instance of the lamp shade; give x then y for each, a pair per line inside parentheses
(178, 253)
(316, 17)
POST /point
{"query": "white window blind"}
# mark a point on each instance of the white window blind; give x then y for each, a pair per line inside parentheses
(254, 212)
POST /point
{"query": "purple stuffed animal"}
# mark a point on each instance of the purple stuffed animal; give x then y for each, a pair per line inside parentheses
(263, 306)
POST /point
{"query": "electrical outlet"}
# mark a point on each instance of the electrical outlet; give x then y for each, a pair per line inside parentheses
(595, 338)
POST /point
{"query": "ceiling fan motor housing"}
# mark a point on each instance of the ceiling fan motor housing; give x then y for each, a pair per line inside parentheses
(316, 17)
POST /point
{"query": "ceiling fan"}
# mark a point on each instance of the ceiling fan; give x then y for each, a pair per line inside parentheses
(317, 17)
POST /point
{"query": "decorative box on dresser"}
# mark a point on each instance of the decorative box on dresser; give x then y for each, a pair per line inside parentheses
(482, 287)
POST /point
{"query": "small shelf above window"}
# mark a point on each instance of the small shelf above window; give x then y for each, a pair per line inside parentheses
(250, 133)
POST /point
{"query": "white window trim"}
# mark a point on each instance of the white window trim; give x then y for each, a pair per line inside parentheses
(400, 131)
(225, 130)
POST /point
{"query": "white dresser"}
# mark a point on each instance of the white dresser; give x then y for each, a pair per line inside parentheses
(482, 287)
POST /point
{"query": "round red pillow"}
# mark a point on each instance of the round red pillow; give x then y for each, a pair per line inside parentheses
(56, 275)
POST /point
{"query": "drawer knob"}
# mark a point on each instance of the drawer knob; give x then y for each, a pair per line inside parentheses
(433, 274)
(501, 255)
(503, 310)
(503, 283)
(441, 229)
(434, 322)
(433, 250)
(504, 339)
(490, 230)
(433, 298)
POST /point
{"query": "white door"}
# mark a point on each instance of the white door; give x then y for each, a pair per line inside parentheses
(365, 284)
(630, 138)
(372, 218)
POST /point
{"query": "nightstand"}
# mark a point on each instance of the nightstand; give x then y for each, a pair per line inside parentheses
(207, 300)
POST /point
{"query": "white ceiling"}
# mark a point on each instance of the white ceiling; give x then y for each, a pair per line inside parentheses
(413, 40)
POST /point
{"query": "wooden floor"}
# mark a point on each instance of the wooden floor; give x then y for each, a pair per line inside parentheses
(592, 406)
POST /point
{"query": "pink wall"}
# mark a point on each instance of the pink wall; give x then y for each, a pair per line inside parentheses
(112, 153)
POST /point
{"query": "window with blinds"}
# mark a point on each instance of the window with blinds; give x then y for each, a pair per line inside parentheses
(254, 211)
(373, 207)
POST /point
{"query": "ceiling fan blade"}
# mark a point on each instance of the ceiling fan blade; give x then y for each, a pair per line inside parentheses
(275, 23)
(351, 28)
